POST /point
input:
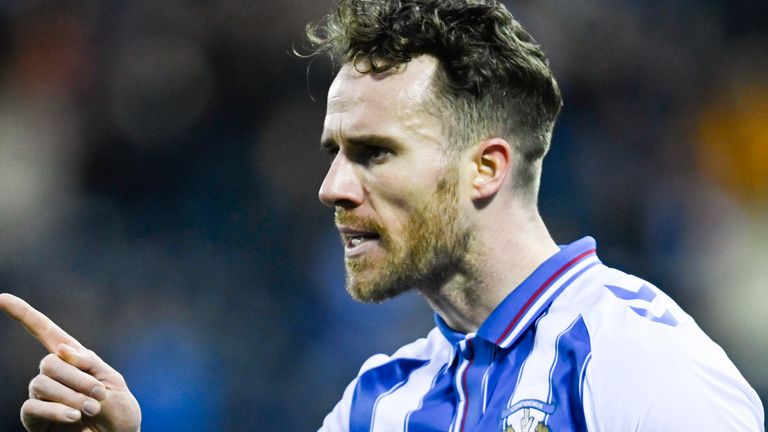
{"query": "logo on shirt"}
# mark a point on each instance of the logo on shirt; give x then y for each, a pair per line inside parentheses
(646, 303)
(526, 416)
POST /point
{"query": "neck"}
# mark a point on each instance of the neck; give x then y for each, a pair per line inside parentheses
(500, 259)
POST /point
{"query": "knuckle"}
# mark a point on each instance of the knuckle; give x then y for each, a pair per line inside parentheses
(85, 383)
(36, 385)
(119, 377)
(27, 407)
(91, 357)
(47, 363)
(36, 414)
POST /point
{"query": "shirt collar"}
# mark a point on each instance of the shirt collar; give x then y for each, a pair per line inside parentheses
(529, 299)
(452, 335)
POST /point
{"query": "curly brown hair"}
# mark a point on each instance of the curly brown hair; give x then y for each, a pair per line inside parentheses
(493, 80)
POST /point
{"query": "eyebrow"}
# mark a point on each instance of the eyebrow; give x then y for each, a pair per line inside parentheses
(363, 141)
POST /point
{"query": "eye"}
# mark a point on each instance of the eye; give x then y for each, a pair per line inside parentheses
(331, 151)
(376, 154)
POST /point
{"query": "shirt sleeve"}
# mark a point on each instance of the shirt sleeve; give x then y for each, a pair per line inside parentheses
(670, 378)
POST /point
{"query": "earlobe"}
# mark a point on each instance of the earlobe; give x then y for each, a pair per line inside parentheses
(491, 166)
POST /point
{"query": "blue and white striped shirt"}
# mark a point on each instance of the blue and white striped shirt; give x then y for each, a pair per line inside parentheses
(577, 346)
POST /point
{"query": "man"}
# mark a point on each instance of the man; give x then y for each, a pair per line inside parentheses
(437, 123)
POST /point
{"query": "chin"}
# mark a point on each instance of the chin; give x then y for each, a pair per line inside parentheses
(370, 291)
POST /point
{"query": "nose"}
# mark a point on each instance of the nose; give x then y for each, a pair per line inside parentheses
(341, 186)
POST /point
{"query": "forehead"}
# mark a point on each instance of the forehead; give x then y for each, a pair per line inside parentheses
(397, 95)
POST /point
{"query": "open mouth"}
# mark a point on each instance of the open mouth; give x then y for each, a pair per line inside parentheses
(357, 241)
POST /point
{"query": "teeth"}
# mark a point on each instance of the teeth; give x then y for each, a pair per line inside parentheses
(354, 240)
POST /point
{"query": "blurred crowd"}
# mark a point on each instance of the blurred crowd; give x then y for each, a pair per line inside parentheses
(159, 166)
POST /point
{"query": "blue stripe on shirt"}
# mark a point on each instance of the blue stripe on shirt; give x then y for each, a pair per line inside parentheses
(374, 383)
(573, 350)
(437, 407)
(503, 379)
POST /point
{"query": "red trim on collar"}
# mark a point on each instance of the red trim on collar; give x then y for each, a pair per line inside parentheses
(538, 292)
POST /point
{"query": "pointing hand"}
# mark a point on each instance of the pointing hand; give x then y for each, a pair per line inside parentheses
(75, 391)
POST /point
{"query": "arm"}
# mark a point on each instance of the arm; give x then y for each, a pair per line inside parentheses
(75, 386)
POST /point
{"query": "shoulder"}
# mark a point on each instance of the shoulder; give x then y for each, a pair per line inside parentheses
(651, 357)
(606, 297)
(626, 320)
(633, 325)
(382, 372)
(422, 349)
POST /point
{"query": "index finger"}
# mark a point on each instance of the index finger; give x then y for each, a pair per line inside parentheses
(38, 325)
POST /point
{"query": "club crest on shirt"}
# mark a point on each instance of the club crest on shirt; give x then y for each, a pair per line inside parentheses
(526, 416)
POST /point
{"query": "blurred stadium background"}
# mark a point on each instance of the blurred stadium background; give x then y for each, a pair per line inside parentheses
(159, 165)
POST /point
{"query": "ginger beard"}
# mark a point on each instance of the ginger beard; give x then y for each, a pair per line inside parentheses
(432, 247)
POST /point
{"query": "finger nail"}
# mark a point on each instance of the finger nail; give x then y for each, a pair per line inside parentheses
(99, 393)
(91, 407)
(72, 414)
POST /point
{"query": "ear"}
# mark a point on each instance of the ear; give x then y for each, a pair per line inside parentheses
(491, 160)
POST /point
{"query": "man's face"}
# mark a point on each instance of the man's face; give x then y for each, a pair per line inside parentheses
(393, 187)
